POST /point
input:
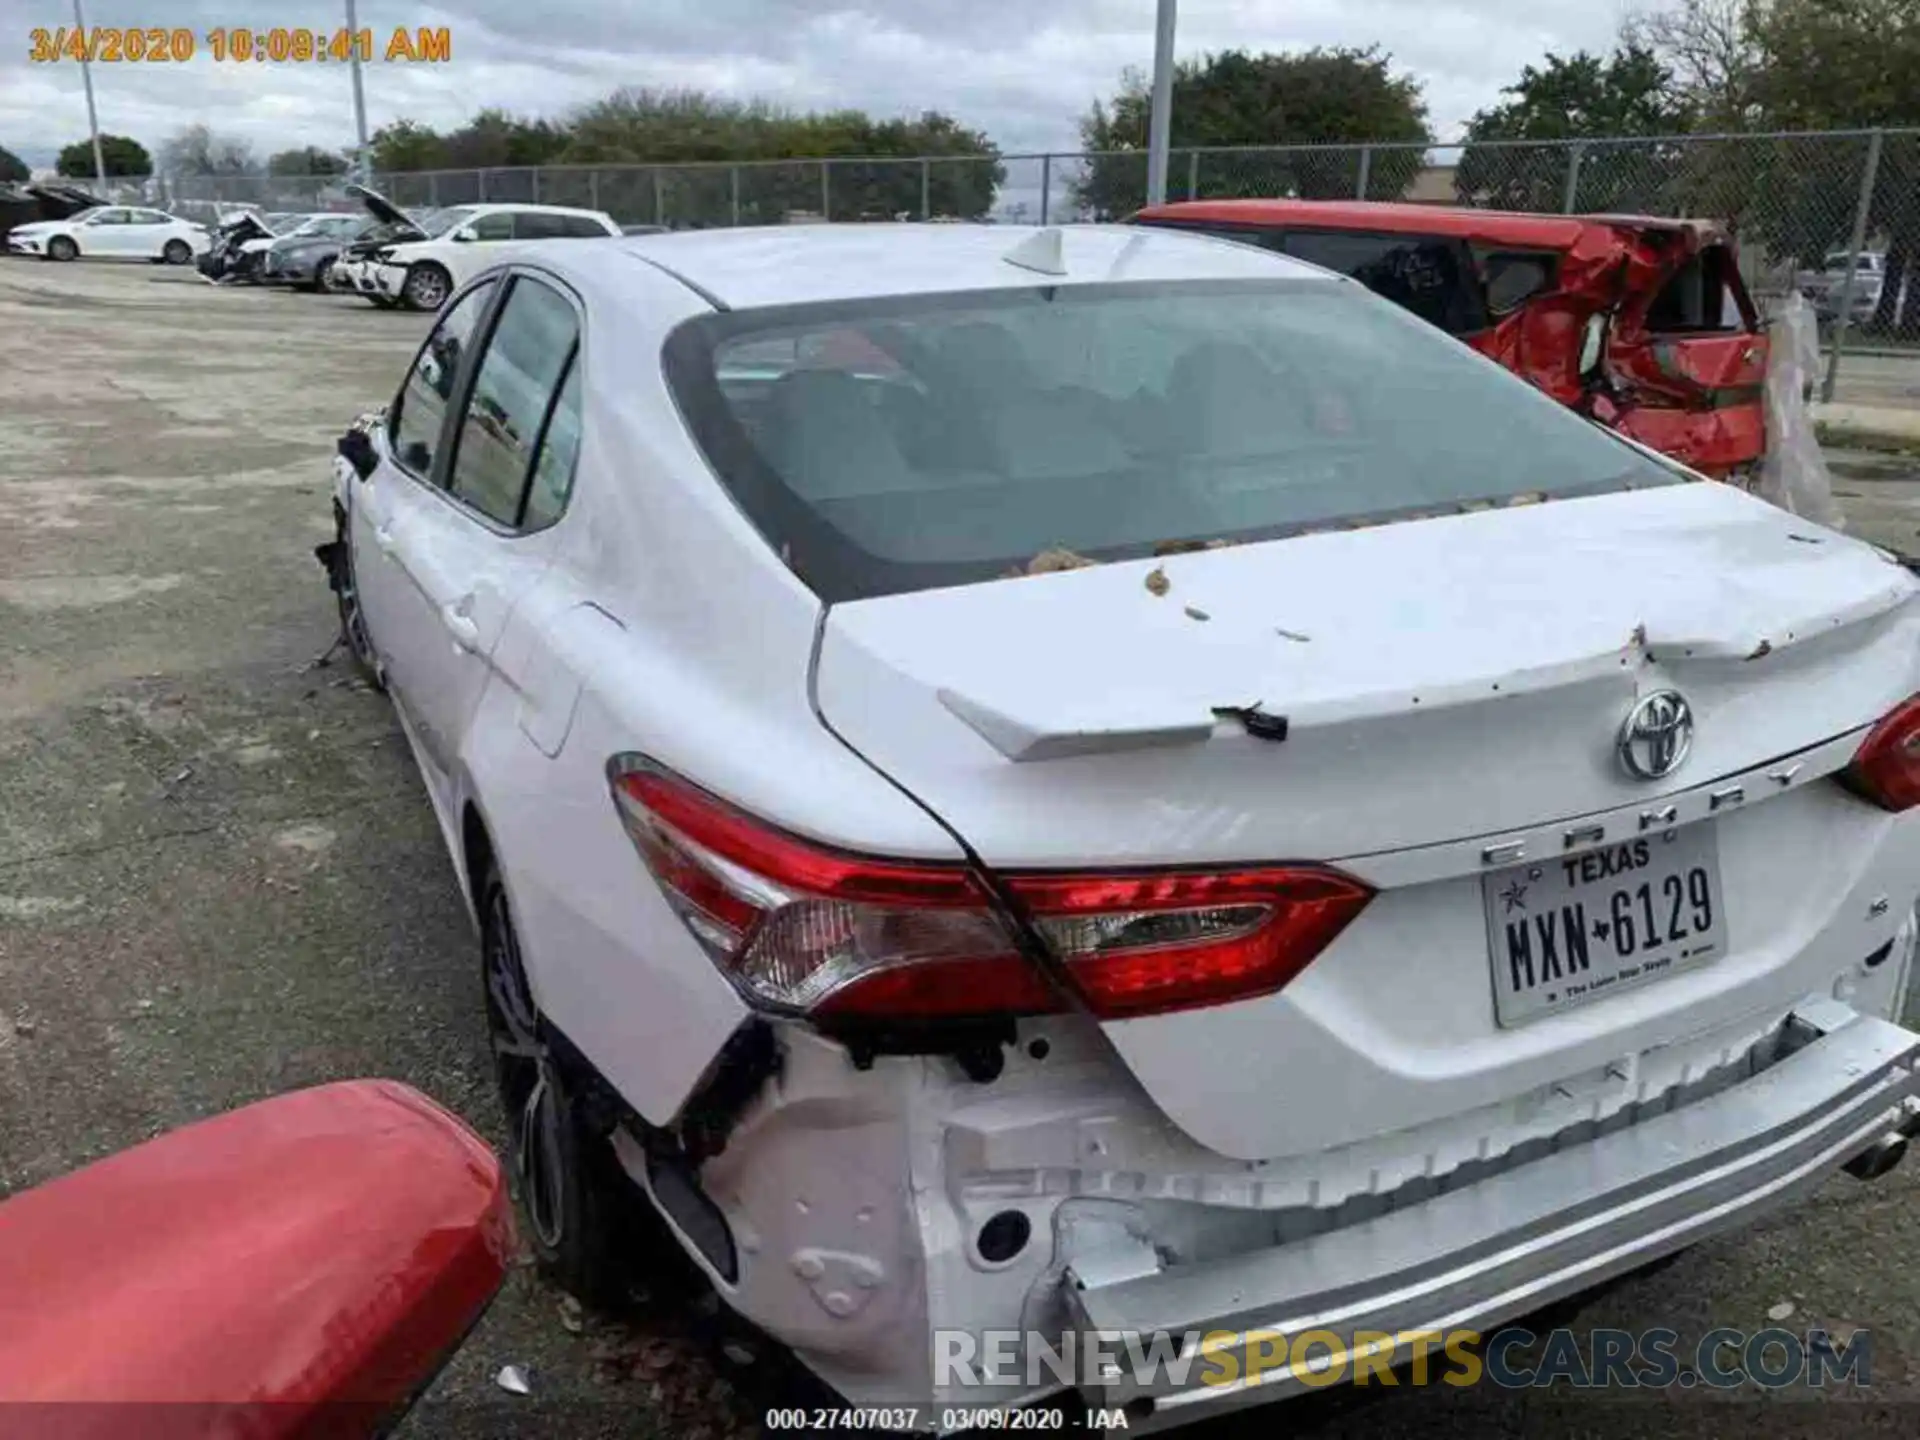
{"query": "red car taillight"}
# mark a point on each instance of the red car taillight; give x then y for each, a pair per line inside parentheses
(803, 929)
(1886, 768)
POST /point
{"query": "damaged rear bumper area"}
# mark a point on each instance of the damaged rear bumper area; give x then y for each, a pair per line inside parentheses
(1496, 1250)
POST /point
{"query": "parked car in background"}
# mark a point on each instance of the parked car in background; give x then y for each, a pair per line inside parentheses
(233, 237)
(1644, 324)
(1093, 780)
(113, 232)
(420, 274)
(305, 254)
(388, 224)
(1869, 280)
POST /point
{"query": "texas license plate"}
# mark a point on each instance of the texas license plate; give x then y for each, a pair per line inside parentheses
(1566, 931)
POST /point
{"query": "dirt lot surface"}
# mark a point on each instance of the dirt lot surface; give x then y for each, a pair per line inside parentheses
(219, 877)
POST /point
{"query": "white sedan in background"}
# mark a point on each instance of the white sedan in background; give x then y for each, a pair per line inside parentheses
(113, 232)
(421, 274)
(1044, 783)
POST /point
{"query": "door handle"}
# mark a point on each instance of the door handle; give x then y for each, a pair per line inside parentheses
(383, 537)
(462, 626)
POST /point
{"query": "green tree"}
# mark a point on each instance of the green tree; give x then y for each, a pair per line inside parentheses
(1317, 96)
(679, 127)
(493, 139)
(1582, 96)
(123, 157)
(12, 167)
(407, 145)
(307, 160)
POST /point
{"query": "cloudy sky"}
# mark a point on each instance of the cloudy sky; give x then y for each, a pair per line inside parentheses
(1021, 71)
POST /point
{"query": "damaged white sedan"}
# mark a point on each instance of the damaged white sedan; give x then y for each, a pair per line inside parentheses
(1028, 785)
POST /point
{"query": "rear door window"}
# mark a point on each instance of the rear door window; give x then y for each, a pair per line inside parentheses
(497, 226)
(1431, 275)
(525, 361)
(1510, 278)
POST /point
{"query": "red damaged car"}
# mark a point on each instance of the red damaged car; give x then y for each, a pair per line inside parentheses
(1642, 323)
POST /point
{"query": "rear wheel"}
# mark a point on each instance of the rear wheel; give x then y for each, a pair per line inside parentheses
(581, 1207)
(176, 252)
(62, 247)
(320, 271)
(427, 286)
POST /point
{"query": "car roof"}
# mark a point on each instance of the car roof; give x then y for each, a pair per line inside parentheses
(796, 264)
(1462, 222)
(1554, 232)
(489, 207)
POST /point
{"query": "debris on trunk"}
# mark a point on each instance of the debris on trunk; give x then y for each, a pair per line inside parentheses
(573, 1317)
(513, 1380)
(1527, 497)
(1783, 1311)
(1194, 612)
(1295, 635)
(1049, 562)
(1760, 651)
(1182, 547)
(1157, 582)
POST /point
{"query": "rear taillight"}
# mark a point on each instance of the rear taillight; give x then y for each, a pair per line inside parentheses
(1886, 768)
(803, 929)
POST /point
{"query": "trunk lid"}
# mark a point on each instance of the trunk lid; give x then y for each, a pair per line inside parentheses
(1444, 684)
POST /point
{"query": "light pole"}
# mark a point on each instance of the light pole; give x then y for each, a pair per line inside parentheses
(1160, 122)
(360, 157)
(93, 116)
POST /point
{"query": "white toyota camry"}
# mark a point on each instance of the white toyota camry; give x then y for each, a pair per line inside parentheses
(1027, 785)
(113, 232)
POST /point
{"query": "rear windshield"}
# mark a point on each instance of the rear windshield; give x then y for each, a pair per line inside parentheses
(885, 446)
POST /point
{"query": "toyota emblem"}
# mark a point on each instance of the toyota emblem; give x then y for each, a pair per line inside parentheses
(1657, 735)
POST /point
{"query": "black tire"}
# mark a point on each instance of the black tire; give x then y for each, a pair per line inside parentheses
(427, 286)
(177, 252)
(319, 283)
(353, 620)
(62, 247)
(582, 1212)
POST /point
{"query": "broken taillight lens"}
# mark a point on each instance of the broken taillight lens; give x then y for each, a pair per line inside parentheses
(803, 929)
(1886, 768)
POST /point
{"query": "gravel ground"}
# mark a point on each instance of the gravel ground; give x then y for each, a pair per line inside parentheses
(219, 877)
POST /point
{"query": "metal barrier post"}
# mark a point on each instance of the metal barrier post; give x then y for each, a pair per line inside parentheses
(1573, 178)
(659, 198)
(433, 189)
(1366, 172)
(1046, 185)
(733, 192)
(536, 184)
(826, 190)
(1862, 212)
(926, 188)
(1193, 174)
(480, 183)
(593, 189)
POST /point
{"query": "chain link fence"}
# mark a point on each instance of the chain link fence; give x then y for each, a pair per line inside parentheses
(1833, 215)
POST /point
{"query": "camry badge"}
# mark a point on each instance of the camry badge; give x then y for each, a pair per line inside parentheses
(1656, 735)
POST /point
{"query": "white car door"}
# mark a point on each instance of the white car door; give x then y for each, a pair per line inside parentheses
(106, 232)
(463, 538)
(477, 244)
(146, 233)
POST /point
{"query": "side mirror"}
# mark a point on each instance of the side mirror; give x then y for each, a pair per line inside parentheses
(1593, 344)
(356, 448)
(464, 235)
